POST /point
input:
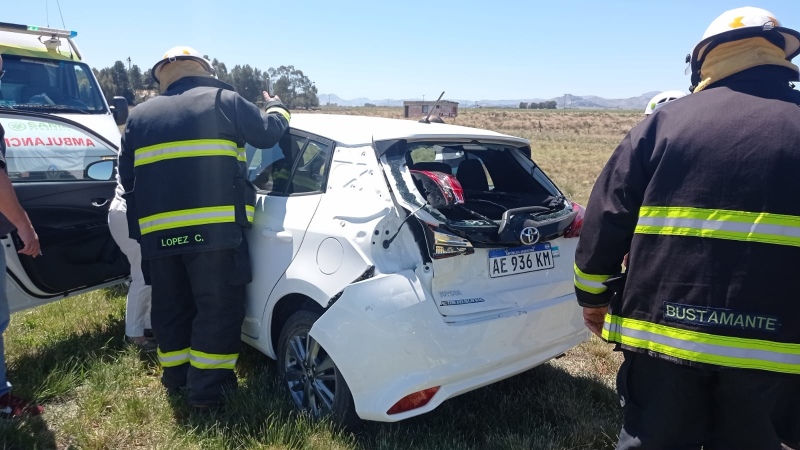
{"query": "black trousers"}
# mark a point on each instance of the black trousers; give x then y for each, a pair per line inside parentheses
(673, 406)
(197, 314)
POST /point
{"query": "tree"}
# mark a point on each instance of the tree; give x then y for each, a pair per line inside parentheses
(523, 105)
(308, 98)
(221, 71)
(135, 76)
(122, 85)
(106, 82)
(294, 88)
(149, 82)
(543, 105)
(247, 82)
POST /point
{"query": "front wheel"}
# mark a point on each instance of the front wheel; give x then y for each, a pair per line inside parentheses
(313, 381)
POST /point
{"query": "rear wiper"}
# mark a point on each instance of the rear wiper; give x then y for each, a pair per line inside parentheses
(556, 202)
(48, 108)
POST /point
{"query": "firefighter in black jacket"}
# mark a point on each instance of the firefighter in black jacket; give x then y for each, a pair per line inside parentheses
(704, 196)
(183, 167)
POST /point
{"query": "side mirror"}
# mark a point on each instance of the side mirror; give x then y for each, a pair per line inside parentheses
(119, 108)
(100, 170)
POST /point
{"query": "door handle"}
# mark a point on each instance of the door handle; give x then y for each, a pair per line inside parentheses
(280, 236)
(100, 202)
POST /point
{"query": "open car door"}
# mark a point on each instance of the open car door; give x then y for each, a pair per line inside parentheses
(63, 175)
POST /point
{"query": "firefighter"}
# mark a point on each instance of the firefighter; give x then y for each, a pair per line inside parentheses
(704, 196)
(660, 100)
(182, 165)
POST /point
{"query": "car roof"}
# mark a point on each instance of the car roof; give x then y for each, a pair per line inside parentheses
(361, 130)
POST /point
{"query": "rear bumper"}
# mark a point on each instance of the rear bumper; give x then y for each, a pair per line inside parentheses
(389, 340)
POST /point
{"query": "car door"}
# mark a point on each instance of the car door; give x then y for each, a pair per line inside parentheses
(63, 176)
(290, 180)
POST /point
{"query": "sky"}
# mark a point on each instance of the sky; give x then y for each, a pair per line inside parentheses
(379, 49)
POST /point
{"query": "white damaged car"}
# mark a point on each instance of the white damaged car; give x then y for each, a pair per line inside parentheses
(397, 264)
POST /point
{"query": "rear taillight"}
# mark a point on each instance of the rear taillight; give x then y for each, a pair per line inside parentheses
(574, 229)
(413, 401)
(448, 188)
(446, 245)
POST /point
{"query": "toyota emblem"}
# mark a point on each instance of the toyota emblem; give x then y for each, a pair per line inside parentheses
(529, 236)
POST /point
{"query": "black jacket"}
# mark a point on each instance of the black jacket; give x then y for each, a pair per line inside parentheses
(183, 168)
(704, 195)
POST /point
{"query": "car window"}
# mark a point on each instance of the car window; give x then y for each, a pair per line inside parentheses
(88, 92)
(309, 174)
(39, 149)
(269, 169)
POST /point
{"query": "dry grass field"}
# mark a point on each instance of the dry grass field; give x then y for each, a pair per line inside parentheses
(101, 394)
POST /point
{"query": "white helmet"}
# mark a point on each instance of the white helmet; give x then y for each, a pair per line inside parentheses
(660, 100)
(178, 53)
(743, 23)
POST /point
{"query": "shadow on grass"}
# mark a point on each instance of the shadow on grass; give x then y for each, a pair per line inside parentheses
(53, 372)
(53, 369)
(25, 434)
(257, 415)
(544, 408)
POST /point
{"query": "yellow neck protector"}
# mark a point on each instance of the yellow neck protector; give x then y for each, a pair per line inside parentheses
(733, 57)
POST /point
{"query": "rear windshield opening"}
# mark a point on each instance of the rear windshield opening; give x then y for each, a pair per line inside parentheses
(494, 178)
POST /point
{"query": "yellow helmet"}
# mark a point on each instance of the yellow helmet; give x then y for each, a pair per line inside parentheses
(178, 53)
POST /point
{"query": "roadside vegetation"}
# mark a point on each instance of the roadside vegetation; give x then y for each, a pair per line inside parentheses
(101, 394)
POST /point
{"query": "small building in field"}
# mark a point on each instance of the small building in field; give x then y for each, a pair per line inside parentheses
(416, 109)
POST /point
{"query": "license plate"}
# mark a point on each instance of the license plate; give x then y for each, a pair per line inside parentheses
(512, 261)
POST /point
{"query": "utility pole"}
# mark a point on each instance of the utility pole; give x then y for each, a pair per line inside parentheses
(565, 101)
(129, 63)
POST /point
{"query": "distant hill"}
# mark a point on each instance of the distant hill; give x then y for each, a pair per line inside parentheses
(572, 101)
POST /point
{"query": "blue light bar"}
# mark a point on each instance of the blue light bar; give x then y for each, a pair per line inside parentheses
(29, 29)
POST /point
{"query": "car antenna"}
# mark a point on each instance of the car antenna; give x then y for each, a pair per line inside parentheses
(427, 118)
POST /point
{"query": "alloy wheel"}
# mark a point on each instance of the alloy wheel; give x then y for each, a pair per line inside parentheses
(310, 375)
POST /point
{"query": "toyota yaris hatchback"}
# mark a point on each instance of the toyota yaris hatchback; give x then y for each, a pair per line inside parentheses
(396, 264)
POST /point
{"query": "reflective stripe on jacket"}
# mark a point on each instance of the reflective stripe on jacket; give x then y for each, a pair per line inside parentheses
(703, 196)
(184, 170)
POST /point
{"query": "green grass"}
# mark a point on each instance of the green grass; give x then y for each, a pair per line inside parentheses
(101, 394)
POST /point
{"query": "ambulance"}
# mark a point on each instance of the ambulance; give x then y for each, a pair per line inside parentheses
(45, 72)
(62, 140)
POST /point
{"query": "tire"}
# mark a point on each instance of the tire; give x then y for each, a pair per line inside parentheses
(312, 378)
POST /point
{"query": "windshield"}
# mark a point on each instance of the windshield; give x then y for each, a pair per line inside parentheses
(39, 148)
(47, 85)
